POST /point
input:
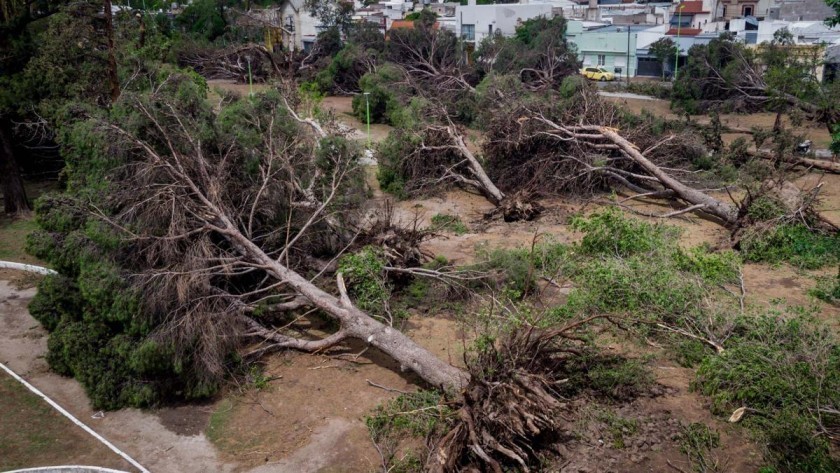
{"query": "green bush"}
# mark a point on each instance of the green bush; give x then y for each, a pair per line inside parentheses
(365, 276)
(784, 368)
(450, 223)
(792, 243)
(609, 232)
(828, 289)
(381, 99)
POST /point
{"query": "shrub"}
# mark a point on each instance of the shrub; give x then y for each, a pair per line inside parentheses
(365, 275)
(382, 100)
(610, 233)
(784, 370)
(792, 243)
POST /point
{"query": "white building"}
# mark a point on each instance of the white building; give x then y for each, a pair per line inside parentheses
(476, 22)
(300, 27)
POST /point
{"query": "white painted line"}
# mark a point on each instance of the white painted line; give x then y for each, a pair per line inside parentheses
(67, 469)
(75, 420)
(26, 267)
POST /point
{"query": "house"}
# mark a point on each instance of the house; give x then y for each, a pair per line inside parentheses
(613, 47)
(301, 28)
(476, 22)
(694, 15)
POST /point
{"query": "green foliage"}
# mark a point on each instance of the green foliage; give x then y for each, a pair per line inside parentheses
(835, 138)
(450, 223)
(792, 243)
(203, 18)
(651, 89)
(610, 233)
(665, 50)
(784, 368)
(519, 268)
(382, 101)
(365, 277)
(421, 414)
(715, 268)
(828, 289)
(619, 379)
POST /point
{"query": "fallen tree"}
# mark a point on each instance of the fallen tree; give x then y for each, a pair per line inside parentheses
(435, 154)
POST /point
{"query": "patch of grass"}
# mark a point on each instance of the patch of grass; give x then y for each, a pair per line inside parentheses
(32, 433)
(697, 441)
(792, 243)
(415, 415)
(13, 234)
(451, 223)
(619, 428)
(620, 378)
(219, 419)
(828, 289)
(786, 369)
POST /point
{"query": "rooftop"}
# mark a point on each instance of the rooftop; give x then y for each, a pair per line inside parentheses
(690, 8)
(684, 32)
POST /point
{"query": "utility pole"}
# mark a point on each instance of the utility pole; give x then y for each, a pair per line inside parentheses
(628, 55)
(367, 110)
(677, 54)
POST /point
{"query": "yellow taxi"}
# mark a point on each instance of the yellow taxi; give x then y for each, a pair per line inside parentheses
(597, 73)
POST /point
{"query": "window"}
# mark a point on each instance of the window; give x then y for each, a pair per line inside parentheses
(747, 10)
(602, 59)
(490, 30)
(468, 32)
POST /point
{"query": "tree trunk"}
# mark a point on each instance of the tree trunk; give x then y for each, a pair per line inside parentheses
(14, 194)
(354, 322)
(727, 213)
(487, 187)
(113, 78)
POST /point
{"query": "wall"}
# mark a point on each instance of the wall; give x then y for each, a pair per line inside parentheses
(503, 18)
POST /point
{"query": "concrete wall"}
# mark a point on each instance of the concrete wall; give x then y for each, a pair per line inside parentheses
(503, 18)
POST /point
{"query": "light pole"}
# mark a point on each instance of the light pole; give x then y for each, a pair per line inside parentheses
(367, 110)
(250, 80)
(677, 54)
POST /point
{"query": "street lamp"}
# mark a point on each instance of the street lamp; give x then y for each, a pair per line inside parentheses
(677, 53)
(367, 110)
(250, 80)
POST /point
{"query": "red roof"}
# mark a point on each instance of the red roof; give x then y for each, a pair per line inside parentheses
(684, 32)
(690, 8)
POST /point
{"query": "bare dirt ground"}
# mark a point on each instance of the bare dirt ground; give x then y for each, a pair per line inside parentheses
(817, 133)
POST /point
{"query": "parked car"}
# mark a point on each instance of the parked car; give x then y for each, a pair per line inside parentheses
(597, 73)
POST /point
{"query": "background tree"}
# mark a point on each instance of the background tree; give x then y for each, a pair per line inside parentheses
(664, 50)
